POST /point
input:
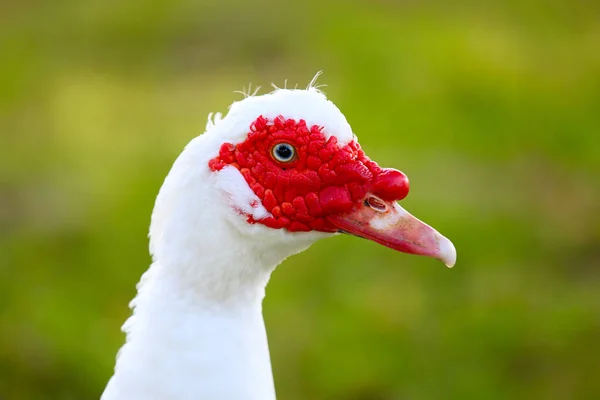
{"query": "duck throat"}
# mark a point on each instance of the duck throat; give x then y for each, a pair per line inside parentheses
(183, 343)
(197, 330)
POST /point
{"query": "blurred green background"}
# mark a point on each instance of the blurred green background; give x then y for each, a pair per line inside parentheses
(492, 109)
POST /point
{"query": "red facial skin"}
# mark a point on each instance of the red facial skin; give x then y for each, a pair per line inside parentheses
(323, 179)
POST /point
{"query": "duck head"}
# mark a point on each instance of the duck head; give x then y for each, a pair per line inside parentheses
(287, 167)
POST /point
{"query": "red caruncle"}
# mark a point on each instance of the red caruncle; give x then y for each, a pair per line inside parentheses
(323, 178)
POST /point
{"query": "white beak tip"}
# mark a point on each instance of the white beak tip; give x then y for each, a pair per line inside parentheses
(447, 252)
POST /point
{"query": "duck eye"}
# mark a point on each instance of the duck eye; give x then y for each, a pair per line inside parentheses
(284, 152)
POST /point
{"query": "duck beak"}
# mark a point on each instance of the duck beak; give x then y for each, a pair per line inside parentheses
(386, 223)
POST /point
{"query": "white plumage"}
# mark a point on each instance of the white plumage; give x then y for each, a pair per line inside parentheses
(197, 330)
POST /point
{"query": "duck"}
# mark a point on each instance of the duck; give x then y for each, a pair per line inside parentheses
(277, 173)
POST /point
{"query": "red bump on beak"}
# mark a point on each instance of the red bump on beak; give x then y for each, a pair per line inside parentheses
(391, 185)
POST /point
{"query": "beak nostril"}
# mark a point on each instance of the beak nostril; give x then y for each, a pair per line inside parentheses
(376, 204)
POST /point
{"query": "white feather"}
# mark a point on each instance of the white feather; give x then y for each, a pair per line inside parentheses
(197, 331)
(241, 197)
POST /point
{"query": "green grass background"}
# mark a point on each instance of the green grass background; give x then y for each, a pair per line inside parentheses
(491, 108)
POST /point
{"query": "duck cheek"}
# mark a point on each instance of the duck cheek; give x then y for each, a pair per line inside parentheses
(335, 200)
(395, 228)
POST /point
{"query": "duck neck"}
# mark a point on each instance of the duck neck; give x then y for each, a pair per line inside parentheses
(188, 338)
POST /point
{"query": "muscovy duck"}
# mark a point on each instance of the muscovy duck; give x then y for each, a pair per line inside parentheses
(277, 173)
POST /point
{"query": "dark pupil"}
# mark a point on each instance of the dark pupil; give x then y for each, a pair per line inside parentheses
(284, 151)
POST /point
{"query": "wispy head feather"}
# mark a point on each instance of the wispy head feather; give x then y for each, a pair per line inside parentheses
(313, 83)
(249, 92)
